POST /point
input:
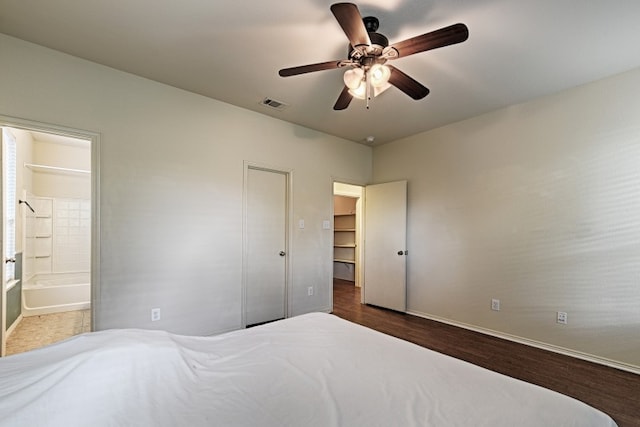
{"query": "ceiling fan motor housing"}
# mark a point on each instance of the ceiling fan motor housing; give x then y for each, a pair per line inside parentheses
(371, 23)
(378, 41)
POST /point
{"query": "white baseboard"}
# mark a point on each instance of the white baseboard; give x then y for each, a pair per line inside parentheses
(14, 325)
(533, 343)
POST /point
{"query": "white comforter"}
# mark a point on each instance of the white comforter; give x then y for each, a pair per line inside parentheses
(311, 370)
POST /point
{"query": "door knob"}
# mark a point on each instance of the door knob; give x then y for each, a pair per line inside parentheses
(402, 252)
(282, 253)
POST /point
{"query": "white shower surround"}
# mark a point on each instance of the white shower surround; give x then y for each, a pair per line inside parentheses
(58, 262)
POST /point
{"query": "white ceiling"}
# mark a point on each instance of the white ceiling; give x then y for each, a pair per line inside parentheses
(232, 50)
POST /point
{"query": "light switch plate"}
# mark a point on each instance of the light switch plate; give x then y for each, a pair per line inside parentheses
(326, 225)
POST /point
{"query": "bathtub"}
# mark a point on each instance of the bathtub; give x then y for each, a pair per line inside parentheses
(56, 292)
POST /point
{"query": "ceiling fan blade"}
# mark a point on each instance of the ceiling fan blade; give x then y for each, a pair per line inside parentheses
(406, 84)
(456, 33)
(294, 71)
(350, 20)
(343, 100)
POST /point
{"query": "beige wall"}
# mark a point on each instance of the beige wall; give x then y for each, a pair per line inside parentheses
(171, 180)
(537, 205)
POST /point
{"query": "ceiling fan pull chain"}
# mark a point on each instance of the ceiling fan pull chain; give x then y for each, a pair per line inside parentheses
(367, 81)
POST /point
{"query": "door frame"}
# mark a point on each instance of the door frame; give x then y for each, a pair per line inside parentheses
(360, 244)
(94, 140)
(288, 174)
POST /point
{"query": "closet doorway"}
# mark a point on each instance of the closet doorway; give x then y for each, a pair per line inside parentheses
(348, 203)
(374, 215)
(47, 291)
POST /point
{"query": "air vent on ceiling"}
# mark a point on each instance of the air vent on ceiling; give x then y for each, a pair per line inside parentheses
(272, 103)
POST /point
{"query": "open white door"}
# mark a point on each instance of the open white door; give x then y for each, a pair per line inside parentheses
(385, 245)
(3, 255)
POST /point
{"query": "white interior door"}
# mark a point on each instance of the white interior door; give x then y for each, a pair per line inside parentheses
(3, 254)
(385, 245)
(266, 246)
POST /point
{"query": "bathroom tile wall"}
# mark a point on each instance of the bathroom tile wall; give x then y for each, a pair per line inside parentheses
(71, 235)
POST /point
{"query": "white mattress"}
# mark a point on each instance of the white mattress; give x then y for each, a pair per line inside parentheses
(310, 370)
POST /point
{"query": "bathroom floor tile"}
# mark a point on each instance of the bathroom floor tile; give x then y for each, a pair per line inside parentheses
(38, 331)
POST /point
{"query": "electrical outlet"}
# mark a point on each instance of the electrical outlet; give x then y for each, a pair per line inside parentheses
(562, 317)
(155, 314)
(495, 304)
(310, 290)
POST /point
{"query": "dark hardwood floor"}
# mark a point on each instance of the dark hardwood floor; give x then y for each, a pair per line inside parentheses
(613, 391)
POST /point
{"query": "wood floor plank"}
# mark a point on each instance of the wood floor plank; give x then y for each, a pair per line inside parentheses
(613, 391)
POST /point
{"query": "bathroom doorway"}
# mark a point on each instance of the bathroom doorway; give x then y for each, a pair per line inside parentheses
(48, 298)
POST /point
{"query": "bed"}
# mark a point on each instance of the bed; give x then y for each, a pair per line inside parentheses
(311, 370)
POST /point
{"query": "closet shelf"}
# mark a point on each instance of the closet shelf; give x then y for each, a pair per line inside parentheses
(344, 238)
(46, 168)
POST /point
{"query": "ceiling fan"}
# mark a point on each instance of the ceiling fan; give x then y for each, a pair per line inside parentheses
(368, 75)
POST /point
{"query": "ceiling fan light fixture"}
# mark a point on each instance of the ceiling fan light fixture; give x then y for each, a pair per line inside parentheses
(377, 90)
(359, 92)
(379, 75)
(376, 76)
(353, 78)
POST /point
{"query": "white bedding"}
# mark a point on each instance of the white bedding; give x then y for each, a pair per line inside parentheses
(310, 370)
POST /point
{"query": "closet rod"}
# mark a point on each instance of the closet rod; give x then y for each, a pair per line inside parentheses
(55, 168)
